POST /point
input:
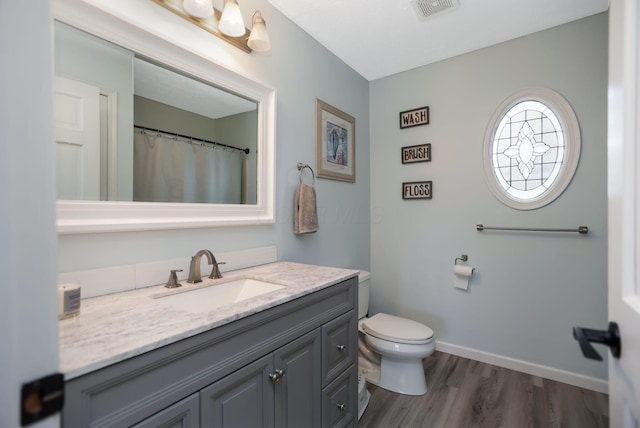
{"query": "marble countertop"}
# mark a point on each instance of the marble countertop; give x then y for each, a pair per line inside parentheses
(112, 328)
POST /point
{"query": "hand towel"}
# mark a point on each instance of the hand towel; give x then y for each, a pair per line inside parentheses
(305, 215)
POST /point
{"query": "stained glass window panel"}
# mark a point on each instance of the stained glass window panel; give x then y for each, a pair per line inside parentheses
(532, 148)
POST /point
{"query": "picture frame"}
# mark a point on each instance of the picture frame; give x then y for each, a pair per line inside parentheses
(335, 143)
(418, 153)
(417, 190)
(414, 117)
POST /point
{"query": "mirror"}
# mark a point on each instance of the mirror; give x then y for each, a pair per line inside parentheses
(167, 139)
(158, 135)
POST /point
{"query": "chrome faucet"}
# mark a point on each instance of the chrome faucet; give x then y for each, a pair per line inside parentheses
(194, 267)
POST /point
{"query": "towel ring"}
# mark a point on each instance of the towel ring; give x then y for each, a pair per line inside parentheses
(301, 167)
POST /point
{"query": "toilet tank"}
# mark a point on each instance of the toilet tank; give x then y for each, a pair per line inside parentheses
(364, 284)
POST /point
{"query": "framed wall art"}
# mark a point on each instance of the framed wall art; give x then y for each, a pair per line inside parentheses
(335, 143)
(416, 117)
(417, 190)
(419, 153)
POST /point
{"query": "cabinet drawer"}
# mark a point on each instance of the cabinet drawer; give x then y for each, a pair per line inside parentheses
(339, 401)
(339, 345)
(184, 414)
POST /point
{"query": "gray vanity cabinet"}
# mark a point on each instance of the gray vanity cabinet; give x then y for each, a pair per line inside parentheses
(257, 396)
(282, 389)
(293, 365)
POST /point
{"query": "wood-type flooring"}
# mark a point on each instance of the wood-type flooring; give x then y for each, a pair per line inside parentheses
(467, 393)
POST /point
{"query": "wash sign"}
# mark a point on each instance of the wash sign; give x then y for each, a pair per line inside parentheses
(415, 117)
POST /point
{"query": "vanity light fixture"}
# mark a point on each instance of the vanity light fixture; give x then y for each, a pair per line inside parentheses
(227, 25)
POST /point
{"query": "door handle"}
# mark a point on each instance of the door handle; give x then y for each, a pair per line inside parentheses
(609, 337)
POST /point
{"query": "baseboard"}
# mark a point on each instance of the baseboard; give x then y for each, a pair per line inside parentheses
(570, 378)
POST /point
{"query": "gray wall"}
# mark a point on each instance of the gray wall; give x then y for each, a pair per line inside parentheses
(155, 115)
(528, 289)
(301, 70)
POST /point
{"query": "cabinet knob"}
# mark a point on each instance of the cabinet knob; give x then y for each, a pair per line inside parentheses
(276, 375)
(340, 407)
(341, 348)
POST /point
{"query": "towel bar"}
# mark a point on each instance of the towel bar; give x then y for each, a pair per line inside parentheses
(583, 230)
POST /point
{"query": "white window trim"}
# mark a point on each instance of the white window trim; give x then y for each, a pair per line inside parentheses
(569, 123)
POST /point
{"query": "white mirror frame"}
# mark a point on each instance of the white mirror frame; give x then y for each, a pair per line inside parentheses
(101, 216)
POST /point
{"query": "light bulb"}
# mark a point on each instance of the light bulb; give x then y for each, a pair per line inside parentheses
(259, 38)
(198, 8)
(231, 23)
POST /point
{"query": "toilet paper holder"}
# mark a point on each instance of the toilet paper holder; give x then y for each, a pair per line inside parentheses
(463, 258)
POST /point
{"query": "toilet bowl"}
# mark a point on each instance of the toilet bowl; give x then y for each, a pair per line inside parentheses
(399, 345)
(391, 348)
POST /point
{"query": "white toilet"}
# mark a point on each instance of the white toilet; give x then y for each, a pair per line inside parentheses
(391, 348)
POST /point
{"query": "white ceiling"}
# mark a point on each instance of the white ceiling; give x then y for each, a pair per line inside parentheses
(378, 38)
(165, 86)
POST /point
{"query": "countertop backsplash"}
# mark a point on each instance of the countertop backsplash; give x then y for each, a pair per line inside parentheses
(99, 282)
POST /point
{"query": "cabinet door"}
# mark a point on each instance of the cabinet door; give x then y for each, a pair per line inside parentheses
(183, 414)
(242, 399)
(298, 392)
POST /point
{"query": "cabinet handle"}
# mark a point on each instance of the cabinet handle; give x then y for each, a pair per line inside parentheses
(340, 407)
(276, 375)
(341, 348)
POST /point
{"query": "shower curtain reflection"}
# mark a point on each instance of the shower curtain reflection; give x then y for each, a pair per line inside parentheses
(167, 168)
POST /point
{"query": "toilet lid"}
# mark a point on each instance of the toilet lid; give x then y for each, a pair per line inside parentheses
(396, 329)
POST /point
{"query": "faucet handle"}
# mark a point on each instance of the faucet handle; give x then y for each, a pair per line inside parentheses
(215, 272)
(173, 279)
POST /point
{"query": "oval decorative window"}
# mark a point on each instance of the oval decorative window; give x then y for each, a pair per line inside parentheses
(531, 148)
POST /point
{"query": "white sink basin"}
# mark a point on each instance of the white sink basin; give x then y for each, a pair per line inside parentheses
(216, 295)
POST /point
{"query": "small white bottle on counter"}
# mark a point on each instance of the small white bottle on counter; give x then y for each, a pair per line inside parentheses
(68, 300)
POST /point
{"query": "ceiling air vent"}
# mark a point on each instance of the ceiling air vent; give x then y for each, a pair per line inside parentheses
(427, 8)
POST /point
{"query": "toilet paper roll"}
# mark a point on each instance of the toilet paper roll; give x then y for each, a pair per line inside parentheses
(461, 275)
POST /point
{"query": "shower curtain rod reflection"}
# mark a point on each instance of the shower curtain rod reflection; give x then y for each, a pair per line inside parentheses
(145, 128)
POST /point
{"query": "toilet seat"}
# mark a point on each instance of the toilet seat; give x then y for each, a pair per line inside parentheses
(397, 329)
